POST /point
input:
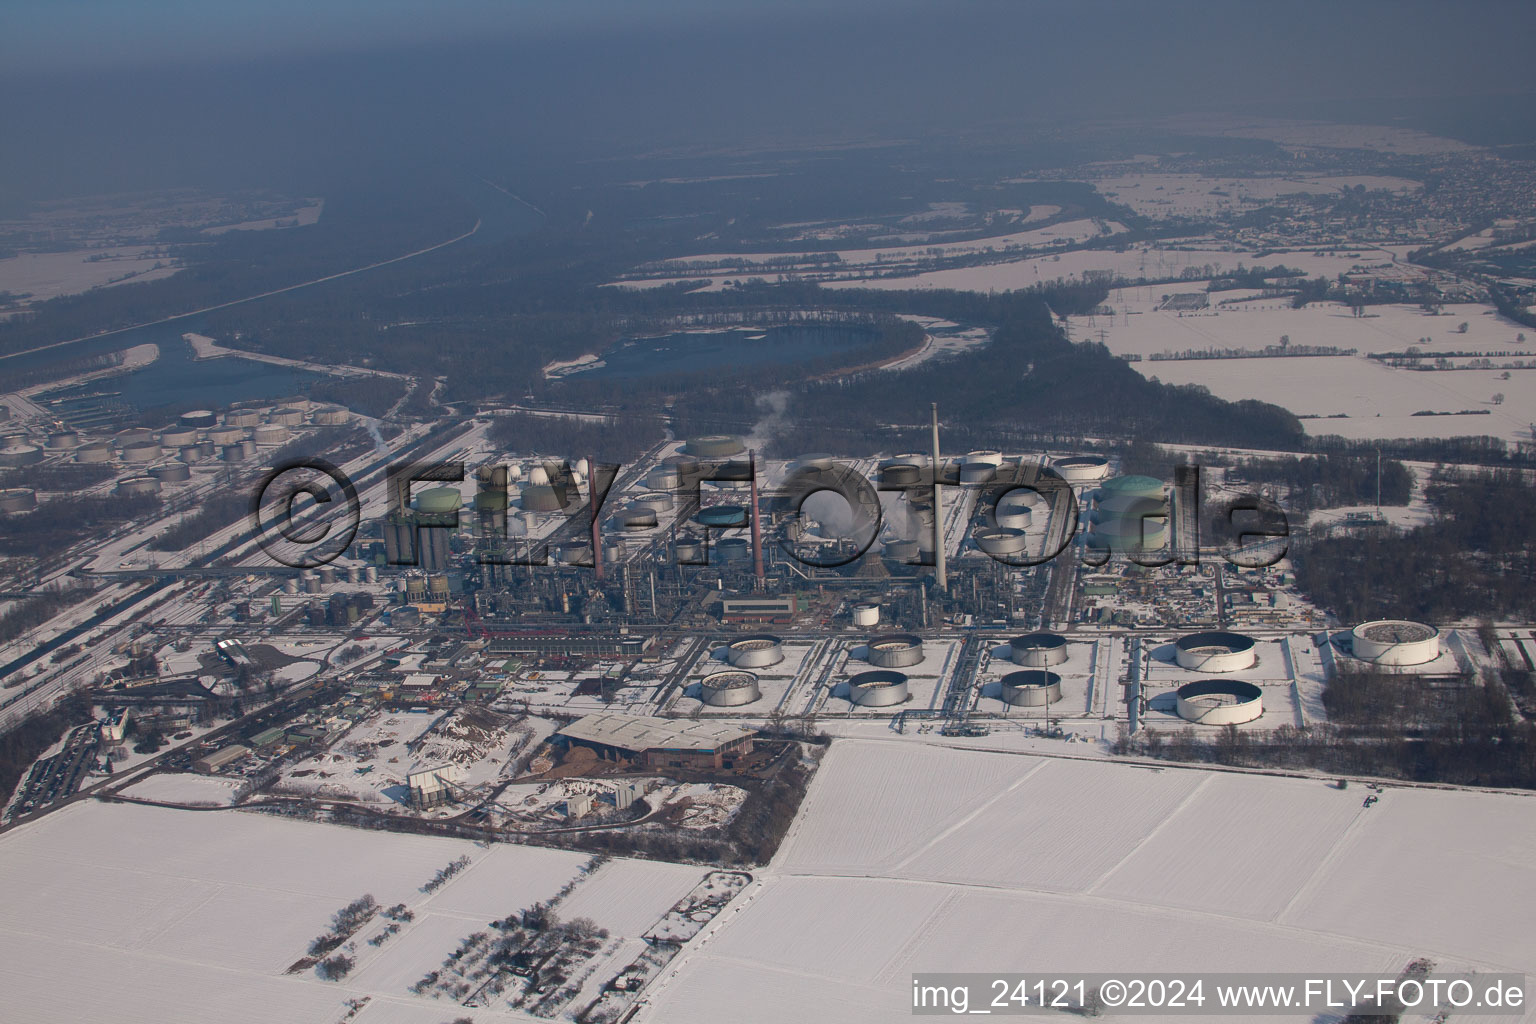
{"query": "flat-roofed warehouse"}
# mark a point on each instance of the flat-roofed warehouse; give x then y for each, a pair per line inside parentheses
(661, 742)
(567, 645)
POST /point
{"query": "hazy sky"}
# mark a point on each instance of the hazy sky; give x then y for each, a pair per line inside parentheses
(137, 93)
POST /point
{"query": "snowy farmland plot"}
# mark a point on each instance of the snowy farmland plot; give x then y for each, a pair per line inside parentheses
(907, 860)
(183, 916)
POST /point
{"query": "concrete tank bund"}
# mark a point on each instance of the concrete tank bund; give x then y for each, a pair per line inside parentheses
(1038, 650)
(1395, 642)
(1215, 652)
(731, 688)
(1220, 702)
(1031, 688)
(877, 689)
(895, 650)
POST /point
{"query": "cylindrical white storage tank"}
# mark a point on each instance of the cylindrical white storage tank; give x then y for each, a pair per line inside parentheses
(138, 486)
(332, 416)
(895, 650)
(613, 551)
(236, 452)
(354, 574)
(17, 499)
(757, 651)
(63, 439)
(866, 613)
(714, 446)
(270, 434)
(191, 453)
(880, 688)
(17, 456)
(900, 550)
(984, 457)
(171, 473)
(372, 574)
(654, 502)
(291, 585)
(729, 689)
(288, 417)
(1031, 688)
(132, 435)
(638, 519)
(1215, 651)
(663, 478)
(175, 437)
(93, 453)
(226, 435)
(1013, 517)
(688, 550)
(734, 549)
(1038, 650)
(1001, 540)
(1081, 469)
(900, 474)
(141, 451)
(1220, 702)
(242, 417)
(974, 474)
(1395, 642)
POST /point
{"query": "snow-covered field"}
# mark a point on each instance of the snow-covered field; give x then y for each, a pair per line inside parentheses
(47, 275)
(1159, 194)
(1379, 400)
(909, 859)
(192, 790)
(137, 914)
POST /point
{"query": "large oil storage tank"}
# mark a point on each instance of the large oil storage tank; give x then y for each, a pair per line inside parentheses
(866, 614)
(175, 437)
(664, 478)
(17, 456)
(729, 689)
(1395, 642)
(237, 452)
(974, 474)
(1001, 540)
(756, 651)
(1219, 702)
(900, 474)
(270, 434)
(984, 457)
(1013, 513)
(242, 418)
(199, 419)
(818, 462)
(137, 486)
(141, 451)
(206, 449)
(653, 502)
(1132, 515)
(331, 416)
(1081, 469)
(722, 516)
(895, 650)
(132, 435)
(191, 453)
(286, 417)
(1216, 651)
(1031, 688)
(638, 520)
(61, 440)
(688, 550)
(734, 549)
(900, 550)
(226, 435)
(540, 498)
(17, 499)
(714, 446)
(1038, 650)
(879, 688)
(439, 501)
(93, 453)
(171, 473)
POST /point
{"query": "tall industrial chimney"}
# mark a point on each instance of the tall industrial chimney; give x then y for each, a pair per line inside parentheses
(597, 543)
(757, 528)
(938, 509)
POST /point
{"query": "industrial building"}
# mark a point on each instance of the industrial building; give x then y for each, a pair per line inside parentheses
(660, 742)
(555, 644)
(220, 758)
(758, 609)
(431, 786)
